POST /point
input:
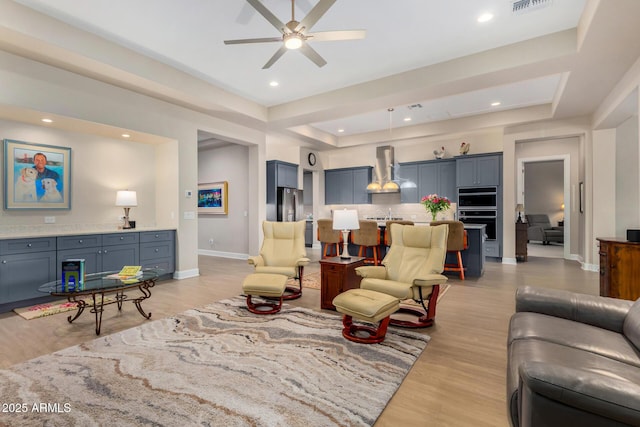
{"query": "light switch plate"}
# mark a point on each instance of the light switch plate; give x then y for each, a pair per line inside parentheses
(49, 219)
(189, 215)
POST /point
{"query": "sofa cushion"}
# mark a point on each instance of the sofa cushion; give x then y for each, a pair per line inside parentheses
(631, 326)
(535, 350)
(589, 338)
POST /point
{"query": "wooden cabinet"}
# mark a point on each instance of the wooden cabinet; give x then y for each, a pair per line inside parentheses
(478, 170)
(347, 186)
(521, 241)
(25, 264)
(434, 176)
(619, 268)
(336, 276)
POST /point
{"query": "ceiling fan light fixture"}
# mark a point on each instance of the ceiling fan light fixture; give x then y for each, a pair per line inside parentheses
(293, 41)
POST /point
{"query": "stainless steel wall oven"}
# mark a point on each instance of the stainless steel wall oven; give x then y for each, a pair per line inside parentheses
(479, 205)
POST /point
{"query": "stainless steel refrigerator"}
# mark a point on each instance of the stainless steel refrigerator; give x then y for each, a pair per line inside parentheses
(289, 204)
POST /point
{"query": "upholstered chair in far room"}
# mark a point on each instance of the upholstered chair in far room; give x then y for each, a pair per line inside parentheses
(540, 229)
(330, 237)
(367, 236)
(387, 232)
(456, 243)
(411, 270)
(283, 252)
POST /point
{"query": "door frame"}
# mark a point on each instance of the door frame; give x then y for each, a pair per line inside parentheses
(569, 192)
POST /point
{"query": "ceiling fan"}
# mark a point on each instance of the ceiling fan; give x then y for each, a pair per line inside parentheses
(296, 34)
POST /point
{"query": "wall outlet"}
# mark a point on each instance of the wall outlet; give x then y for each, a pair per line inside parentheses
(211, 242)
(49, 219)
(189, 215)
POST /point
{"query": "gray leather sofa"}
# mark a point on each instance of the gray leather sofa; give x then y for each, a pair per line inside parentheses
(540, 229)
(573, 360)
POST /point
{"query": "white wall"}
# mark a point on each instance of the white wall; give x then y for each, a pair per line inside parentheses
(99, 167)
(627, 206)
(37, 87)
(229, 232)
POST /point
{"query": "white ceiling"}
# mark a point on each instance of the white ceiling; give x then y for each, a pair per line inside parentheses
(428, 52)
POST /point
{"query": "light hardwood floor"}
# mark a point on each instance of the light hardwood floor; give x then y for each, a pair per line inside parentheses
(459, 380)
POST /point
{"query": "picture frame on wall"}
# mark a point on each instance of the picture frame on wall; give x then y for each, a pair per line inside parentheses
(36, 176)
(213, 198)
(581, 196)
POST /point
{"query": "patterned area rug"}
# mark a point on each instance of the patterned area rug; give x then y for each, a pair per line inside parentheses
(310, 280)
(47, 309)
(219, 365)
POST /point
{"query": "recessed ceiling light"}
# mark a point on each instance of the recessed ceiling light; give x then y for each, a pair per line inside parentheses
(340, 130)
(273, 83)
(485, 17)
(407, 119)
(126, 135)
(47, 120)
(495, 104)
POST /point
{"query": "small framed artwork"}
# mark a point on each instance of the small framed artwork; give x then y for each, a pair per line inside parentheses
(581, 196)
(36, 176)
(213, 198)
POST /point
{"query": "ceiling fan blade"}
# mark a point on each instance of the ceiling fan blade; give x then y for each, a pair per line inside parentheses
(315, 14)
(275, 57)
(262, 40)
(247, 12)
(314, 56)
(262, 10)
(327, 36)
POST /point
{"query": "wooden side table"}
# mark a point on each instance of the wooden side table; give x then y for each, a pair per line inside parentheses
(336, 276)
(521, 241)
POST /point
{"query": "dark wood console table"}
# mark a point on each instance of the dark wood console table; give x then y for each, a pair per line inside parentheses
(619, 268)
(336, 276)
(521, 241)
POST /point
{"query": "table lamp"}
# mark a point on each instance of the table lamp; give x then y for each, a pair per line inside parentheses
(127, 199)
(519, 209)
(345, 220)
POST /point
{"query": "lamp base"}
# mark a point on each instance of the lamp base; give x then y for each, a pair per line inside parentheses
(519, 221)
(345, 245)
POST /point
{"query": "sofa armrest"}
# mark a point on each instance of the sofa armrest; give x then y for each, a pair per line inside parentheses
(602, 312)
(557, 395)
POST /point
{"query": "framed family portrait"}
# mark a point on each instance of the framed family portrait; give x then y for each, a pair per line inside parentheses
(213, 198)
(36, 176)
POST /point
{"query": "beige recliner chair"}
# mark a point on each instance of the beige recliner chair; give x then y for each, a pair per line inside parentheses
(411, 270)
(283, 252)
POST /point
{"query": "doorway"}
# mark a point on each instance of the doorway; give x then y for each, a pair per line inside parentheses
(544, 187)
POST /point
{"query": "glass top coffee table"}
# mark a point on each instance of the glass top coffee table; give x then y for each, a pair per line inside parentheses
(97, 285)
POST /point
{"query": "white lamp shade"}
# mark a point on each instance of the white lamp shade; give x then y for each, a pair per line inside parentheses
(126, 198)
(346, 219)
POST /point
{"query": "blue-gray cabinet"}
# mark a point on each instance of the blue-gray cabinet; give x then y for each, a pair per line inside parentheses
(25, 264)
(478, 170)
(157, 250)
(347, 186)
(430, 177)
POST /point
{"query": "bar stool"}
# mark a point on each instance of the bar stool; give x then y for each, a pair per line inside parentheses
(456, 242)
(387, 230)
(330, 237)
(368, 236)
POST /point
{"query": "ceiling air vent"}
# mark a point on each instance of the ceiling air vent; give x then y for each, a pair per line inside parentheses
(524, 6)
(411, 107)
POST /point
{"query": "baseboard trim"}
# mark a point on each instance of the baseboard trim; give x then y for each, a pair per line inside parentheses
(221, 254)
(510, 261)
(185, 274)
(591, 267)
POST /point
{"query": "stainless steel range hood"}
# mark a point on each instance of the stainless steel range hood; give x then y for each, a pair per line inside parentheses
(383, 177)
